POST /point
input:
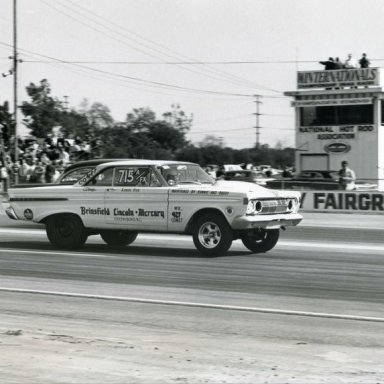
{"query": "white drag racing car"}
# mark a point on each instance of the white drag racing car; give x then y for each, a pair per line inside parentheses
(117, 200)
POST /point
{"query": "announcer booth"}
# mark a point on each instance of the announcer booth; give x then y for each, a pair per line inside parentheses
(339, 116)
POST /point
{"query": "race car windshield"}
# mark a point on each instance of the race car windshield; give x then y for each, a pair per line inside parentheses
(185, 174)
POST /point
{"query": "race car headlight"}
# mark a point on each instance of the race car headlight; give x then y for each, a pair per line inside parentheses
(293, 205)
(253, 207)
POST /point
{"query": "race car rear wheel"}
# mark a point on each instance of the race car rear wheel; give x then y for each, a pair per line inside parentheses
(66, 231)
(260, 240)
(212, 235)
(117, 238)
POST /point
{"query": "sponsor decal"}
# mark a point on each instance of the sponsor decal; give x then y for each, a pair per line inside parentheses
(337, 148)
(144, 213)
(94, 211)
(85, 178)
(130, 190)
(176, 215)
(182, 191)
(122, 212)
(199, 192)
(28, 214)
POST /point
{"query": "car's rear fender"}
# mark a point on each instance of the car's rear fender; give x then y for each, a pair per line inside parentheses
(46, 218)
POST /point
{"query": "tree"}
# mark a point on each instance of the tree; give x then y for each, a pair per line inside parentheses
(212, 140)
(166, 136)
(42, 114)
(7, 123)
(98, 115)
(73, 123)
(178, 119)
(140, 120)
(144, 136)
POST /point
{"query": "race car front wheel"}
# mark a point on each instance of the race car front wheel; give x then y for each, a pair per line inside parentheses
(260, 240)
(212, 235)
(118, 238)
(66, 231)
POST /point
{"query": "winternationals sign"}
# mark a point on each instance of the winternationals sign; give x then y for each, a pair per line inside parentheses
(338, 78)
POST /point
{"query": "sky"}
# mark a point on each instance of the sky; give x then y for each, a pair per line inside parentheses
(211, 57)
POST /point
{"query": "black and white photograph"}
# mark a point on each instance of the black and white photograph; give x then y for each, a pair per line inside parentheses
(192, 192)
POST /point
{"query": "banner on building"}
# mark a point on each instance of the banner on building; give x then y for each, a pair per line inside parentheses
(341, 201)
(338, 78)
(327, 102)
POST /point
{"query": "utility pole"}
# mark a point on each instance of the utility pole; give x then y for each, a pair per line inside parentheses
(66, 103)
(15, 101)
(258, 102)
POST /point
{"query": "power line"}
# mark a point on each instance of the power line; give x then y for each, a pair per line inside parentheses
(214, 72)
(142, 81)
(130, 62)
(176, 54)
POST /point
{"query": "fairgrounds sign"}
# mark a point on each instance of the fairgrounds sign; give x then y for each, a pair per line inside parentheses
(335, 201)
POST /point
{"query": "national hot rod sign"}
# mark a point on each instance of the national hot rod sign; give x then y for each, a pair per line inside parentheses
(338, 78)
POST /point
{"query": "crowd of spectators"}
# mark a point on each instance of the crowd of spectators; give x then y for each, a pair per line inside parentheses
(43, 160)
(349, 63)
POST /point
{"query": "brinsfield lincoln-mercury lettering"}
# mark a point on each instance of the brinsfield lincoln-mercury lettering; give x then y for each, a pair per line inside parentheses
(143, 212)
(94, 211)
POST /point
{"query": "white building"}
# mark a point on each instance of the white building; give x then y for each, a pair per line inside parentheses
(339, 116)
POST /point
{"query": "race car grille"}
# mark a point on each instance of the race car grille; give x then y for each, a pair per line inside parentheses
(274, 206)
(271, 206)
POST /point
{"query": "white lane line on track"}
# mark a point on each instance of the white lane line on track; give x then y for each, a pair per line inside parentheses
(184, 238)
(62, 253)
(199, 305)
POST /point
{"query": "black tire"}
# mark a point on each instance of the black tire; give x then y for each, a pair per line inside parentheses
(260, 240)
(66, 231)
(118, 238)
(212, 235)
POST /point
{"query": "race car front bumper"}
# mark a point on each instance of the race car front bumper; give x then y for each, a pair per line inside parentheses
(266, 221)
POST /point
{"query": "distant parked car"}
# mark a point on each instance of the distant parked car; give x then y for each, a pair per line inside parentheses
(318, 180)
(315, 180)
(227, 167)
(247, 175)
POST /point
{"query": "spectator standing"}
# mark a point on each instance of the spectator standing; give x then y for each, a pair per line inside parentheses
(329, 64)
(338, 64)
(350, 63)
(63, 156)
(23, 171)
(38, 173)
(364, 62)
(347, 177)
(4, 177)
(49, 172)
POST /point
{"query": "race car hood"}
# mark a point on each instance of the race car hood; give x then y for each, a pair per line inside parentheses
(251, 190)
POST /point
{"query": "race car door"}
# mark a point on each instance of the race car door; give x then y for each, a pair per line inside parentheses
(91, 196)
(137, 200)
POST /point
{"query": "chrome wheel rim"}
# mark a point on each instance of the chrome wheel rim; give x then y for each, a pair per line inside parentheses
(209, 235)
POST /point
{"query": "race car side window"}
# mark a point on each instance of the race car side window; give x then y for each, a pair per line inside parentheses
(133, 176)
(154, 180)
(103, 178)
